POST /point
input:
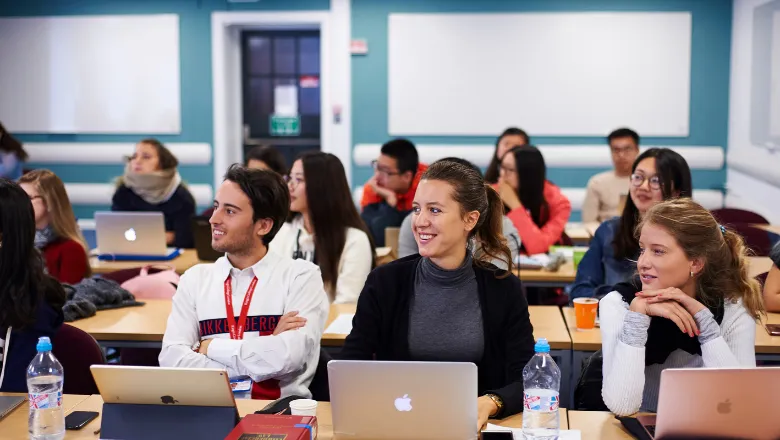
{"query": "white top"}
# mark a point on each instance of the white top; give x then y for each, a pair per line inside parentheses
(286, 361)
(354, 265)
(602, 196)
(629, 385)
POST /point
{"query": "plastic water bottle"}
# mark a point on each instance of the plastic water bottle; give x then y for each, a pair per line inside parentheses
(44, 386)
(542, 382)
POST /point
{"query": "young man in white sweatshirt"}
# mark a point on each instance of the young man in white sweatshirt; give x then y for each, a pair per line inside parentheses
(253, 312)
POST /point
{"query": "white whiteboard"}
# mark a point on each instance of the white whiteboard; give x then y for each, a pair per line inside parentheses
(556, 74)
(96, 74)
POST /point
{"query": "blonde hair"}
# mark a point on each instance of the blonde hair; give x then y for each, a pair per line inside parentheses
(725, 274)
(61, 217)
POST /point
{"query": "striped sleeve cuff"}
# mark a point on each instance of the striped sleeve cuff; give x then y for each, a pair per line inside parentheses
(635, 327)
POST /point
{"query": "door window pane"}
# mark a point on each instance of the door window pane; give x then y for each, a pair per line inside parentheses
(259, 53)
(284, 55)
(309, 55)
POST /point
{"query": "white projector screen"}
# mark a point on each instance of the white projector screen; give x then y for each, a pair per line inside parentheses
(96, 74)
(555, 74)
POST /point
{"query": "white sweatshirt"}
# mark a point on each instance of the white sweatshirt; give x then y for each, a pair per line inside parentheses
(284, 364)
(629, 385)
(354, 265)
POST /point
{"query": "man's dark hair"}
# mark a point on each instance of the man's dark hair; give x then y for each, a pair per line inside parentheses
(623, 132)
(267, 192)
(404, 152)
(268, 155)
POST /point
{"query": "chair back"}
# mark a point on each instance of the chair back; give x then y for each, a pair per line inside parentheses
(77, 350)
(730, 216)
(391, 239)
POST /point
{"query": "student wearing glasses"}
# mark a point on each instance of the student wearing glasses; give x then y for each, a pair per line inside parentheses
(388, 195)
(658, 174)
(325, 227)
(605, 190)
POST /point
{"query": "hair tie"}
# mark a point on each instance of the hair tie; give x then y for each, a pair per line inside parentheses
(722, 229)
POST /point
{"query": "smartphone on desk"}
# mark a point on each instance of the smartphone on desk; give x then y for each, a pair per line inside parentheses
(773, 329)
(79, 419)
(497, 435)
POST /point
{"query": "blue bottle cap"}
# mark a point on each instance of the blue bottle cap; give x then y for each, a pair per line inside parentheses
(542, 346)
(44, 344)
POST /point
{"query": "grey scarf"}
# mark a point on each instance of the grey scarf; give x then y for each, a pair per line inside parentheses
(155, 188)
(44, 236)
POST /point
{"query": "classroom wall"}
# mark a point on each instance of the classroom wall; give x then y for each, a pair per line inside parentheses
(753, 179)
(709, 77)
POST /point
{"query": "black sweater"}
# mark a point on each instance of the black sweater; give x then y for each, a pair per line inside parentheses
(380, 329)
(178, 211)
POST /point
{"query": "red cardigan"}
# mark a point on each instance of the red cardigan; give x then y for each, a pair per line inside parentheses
(538, 240)
(66, 260)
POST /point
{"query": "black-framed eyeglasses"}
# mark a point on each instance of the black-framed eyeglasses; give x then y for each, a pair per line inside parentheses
(638, 180)
(386, 172)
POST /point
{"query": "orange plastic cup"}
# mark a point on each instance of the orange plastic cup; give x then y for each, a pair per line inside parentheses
(585, 310)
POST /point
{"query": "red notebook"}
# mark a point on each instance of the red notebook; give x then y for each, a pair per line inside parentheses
(273, 427)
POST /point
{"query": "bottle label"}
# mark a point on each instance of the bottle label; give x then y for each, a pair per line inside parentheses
(45, 401)
(541, 403)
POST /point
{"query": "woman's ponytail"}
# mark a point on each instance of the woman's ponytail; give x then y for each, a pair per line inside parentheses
(738, 277)
(490, 232)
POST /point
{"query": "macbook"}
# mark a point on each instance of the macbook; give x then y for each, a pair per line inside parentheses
(132, 235)
(403, 400)
(201, 229)
(9, 403)
(717, 403)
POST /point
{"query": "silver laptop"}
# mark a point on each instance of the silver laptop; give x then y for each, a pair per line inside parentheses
(717, 403)
(9, 403)
(131, 234)
(403, 400)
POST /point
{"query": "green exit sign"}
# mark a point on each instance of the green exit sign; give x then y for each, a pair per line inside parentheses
(285, 125)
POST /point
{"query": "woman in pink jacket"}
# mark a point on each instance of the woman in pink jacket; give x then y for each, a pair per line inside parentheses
(537, 208)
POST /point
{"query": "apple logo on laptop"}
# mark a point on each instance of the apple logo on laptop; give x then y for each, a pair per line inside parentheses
(168, 400)
(403, 403)
(130, 235)
(724, 407)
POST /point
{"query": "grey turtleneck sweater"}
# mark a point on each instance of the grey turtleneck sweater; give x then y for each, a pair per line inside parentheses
(445, 319)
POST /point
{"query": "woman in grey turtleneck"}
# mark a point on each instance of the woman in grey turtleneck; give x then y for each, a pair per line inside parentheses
(446, 304)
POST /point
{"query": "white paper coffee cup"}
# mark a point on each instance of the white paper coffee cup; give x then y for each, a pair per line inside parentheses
(303, 407)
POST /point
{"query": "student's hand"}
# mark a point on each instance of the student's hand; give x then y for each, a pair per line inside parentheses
(485, 408)
(289, 321)
(692, 305)
(387, 194)
(508, 195)
(204, 346)
(670, 310)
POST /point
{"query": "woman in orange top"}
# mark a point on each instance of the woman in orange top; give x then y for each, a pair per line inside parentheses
(536, 207)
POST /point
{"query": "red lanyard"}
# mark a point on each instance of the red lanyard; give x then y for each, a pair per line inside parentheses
(237, 329)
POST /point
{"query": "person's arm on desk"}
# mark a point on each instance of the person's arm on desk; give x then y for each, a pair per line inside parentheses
(273, 356)
(182, 331)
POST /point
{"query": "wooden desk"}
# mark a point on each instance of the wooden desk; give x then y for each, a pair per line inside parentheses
(385, 255)
(187, 259)
(140, 327)
(542, 278)
(14, 425)
(767, 347)
(759, 265)
(591, 227)
(245, 406)
(336, 339)
(774, 229)
(548, 323)
(598, 425)
(578, 233)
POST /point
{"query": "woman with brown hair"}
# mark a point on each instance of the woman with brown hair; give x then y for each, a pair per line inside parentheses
(446, 304)
(57, 235)
(693, 305)
(151, 182)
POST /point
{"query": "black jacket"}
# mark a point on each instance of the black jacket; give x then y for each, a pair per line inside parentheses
(178, 211)
(380, 329)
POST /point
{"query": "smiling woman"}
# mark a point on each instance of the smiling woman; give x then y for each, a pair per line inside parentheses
(696, 307)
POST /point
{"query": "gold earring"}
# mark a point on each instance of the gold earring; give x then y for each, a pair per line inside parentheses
(691, 274)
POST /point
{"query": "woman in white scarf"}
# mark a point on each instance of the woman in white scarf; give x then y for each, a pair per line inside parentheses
(151, 182)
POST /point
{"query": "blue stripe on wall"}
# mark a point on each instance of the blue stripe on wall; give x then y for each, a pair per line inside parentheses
(710, 65)
(108, 173)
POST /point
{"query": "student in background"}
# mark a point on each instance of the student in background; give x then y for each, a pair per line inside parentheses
(57, 235)
(388, 195)
(510, 138)
(12, 155)
(605, 190)
(536, 207)
(407, 245)
(658, 174)
(696, 306)
(772, 284)
(326, 228)
(447, 304)
(30, 301)
(266, 157)
(271, 295)
(151, 182)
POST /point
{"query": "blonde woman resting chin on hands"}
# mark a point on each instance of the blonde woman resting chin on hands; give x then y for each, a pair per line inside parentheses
(692, 305)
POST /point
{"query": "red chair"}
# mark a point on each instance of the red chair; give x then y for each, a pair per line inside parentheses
(728, 216)
(741, 221)
(77, 350)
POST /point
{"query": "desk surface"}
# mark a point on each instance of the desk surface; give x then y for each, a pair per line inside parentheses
(766, 344)
(775, 229)
(598, 425)
(245, 406)
(187, 259)
(578, 232)
(14, 426)
(759, 265)
(582, 340)
(564, 275)
(144, 323)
